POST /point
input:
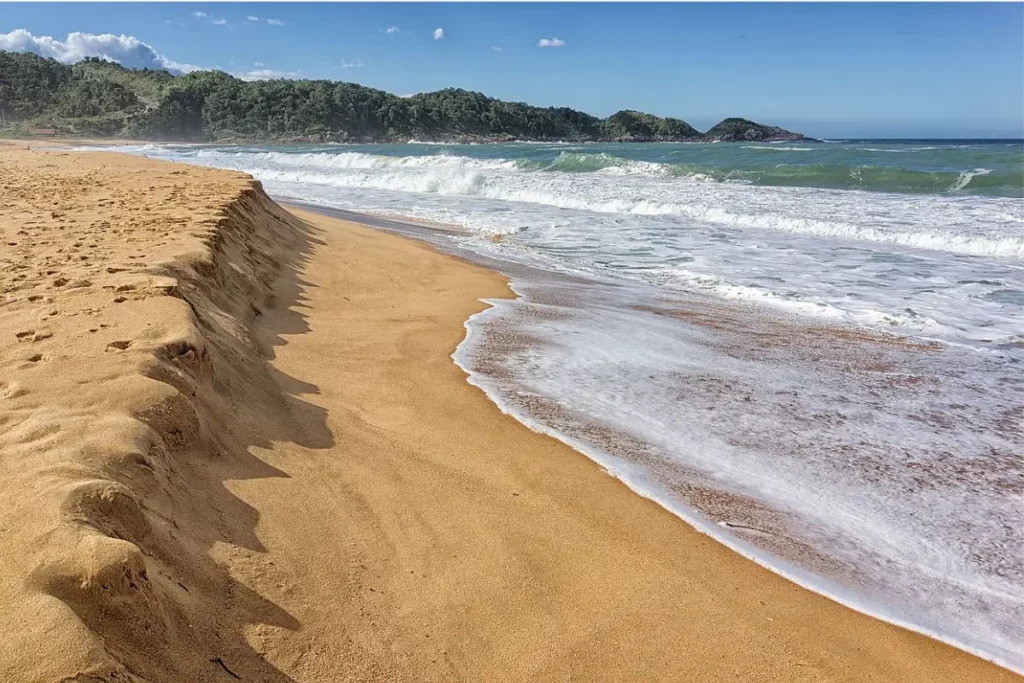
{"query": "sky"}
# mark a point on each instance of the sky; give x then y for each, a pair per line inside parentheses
(827, 70)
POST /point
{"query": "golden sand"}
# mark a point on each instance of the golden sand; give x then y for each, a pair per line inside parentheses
(233, 445)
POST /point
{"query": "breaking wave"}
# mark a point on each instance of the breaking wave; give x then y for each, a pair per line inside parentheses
(824, 176)
(607, 184)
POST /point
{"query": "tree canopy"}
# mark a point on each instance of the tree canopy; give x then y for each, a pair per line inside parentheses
(99, 97)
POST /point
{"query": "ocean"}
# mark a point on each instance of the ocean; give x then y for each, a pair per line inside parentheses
(813, 352)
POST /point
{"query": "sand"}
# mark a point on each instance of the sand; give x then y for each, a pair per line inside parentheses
(233, 446)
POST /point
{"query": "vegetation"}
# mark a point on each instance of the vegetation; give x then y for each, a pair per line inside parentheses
(30, 85)
(95, 97)
(628, 126)
(743, 130)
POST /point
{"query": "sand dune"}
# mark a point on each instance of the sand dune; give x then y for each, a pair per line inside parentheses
(128, 289)
(233, 446)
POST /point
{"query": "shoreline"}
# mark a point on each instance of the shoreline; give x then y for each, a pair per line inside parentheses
(632, 476)
(344, 504)
(694, 524)
(468, 141)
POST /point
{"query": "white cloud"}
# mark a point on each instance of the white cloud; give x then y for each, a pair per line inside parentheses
(199, 15)
(265, 74)
(219, 22)
(128, 51)
(404, 97)
(550, 42)
(391, 30)
(254, 19)
(358, 64)
(438, 33)
(495, 48)
(257, 63)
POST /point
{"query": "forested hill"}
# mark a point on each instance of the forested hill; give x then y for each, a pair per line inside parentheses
(99, 98)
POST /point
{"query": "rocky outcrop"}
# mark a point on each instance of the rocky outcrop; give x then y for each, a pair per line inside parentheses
(744, 130)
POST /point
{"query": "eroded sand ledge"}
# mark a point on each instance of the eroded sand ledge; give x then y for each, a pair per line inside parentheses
(232, 443)
(130, 376)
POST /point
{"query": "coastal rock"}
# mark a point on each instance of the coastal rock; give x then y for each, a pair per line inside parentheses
(745, 130)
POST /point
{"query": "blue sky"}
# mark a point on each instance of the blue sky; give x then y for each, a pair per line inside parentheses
(832, 70)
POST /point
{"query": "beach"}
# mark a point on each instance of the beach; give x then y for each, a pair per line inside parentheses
(235, 446)
(808, 351)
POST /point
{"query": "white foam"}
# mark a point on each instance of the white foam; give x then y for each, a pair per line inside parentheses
(658, 391)
(913, 569)
(860, 257)
(966, 177)
(312, 161)
(777, 148)
(975, 227)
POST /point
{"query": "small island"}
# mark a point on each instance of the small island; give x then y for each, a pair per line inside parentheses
(743, 130)
(98, 98)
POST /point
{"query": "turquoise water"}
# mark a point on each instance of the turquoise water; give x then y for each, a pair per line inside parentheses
(954, 167)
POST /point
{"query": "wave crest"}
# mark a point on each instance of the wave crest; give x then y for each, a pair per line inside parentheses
(607, 183)
(824, 176)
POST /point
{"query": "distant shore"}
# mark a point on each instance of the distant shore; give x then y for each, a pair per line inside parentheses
(455, 140)
(236, 446)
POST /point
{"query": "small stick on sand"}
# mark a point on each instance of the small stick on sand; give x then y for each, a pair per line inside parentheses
(218, 660)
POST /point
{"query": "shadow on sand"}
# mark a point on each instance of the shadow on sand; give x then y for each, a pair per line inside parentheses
(191, 618)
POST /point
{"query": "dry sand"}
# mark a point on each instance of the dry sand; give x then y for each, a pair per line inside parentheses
(233, 445)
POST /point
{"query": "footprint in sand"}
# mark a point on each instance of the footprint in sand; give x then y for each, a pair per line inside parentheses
(11, 390)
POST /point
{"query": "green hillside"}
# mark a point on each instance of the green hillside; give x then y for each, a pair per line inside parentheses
(95, 97)
(630, 126)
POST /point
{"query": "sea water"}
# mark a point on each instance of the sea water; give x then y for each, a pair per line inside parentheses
(812, 351)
